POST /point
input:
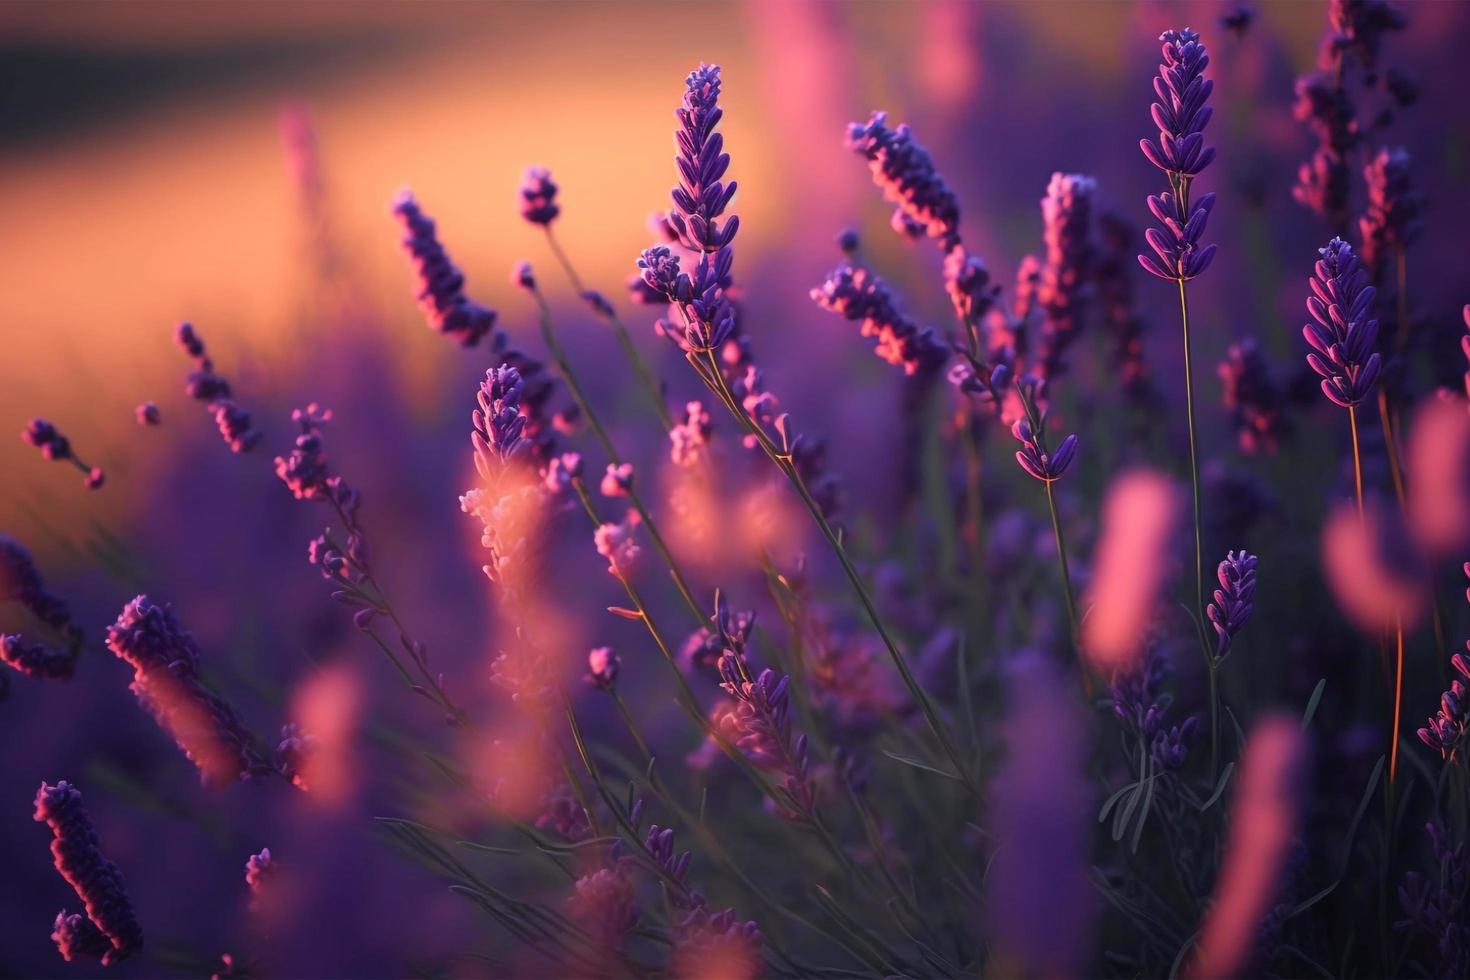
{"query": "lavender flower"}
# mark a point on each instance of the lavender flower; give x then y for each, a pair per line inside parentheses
(1394, 209)
(701, 938)
(1360, 26)
(1181, 115)
(538, 197)
(602, 668)
(701, 196)
(522, 275)
(440, 283)
(1342, 335)
(968, 282)
(604, 904)
(1034, 456)
(1436, 905)
(304, 469)
(848, 242)
(905, 171)
(204, 385)
(614, 541)
(293, 750)
(165, 662)
(1112, 271)
(35, 659)
(1253, 400)
(1238, 19)
(1066, 213)
(259, 869)
(1233, 603)
(689, 440)
(859, 296)
(57, 448)
(96, 880)
(147, 414)
(618, 480)
(76, 938)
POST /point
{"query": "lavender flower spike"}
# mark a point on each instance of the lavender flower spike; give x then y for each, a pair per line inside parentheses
(701, 196)
(1394, 208)
(440, 283)
(860, 296)
(1034, 456)
(165, 662)
(1181, 115)
(96, 880)
(906, 172)
(1233, 603)
(538, 197)
(1341, 333)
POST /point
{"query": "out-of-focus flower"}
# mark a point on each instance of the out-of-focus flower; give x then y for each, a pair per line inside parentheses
(522, 275)
(440, 284)
(204, 385)
(1132, 565)
(1181, 115)
(1342, 333)
(259, 869)
(618, 480)
(1062, 292)
(57, 448)
(1360, 27)
(35, 659)
(689, 440)
(96, 880)
(905, 171)
(614, 541)
(1251, 397)
(20, 582)
(1373, 572)
(165, 662)
(1234, 599)
(859, 296)
(538, 197)
(76, 938)
(1437, 464)
(1263, 819)
(147, 414)
(604, 904)
(1038, 907)
(1437, 905)
(1395, 206)
(1238, 19)
(293, 755)
(1034, 456)
(602, 668)
(304, 470)
(848, 241)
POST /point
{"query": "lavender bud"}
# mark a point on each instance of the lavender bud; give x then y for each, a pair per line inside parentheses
(538, 197)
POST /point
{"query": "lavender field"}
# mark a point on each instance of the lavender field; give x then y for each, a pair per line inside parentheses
(455, 524)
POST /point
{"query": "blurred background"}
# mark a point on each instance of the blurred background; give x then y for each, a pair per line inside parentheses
(233, 165)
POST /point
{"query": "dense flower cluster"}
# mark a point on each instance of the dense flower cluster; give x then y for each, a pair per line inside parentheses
(1113, 272)
(440, 284)
(538, 197)
(259, 869)
(1062, 291)
(1181, 114)
(1034, 456)
(1394, 209)
(166, 682)
(96, 880)
(689, 440)
(603, 903)
(1145, 712)
(203, 384)
(702, 196)
(20, 582)
(1342, 333)
(859, 296)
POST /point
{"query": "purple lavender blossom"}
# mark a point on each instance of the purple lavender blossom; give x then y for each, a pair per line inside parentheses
(602, 668)
(701, 196)
(538, 197)
(57, 448)
(1113, 273)
(615, 542)
(1252, 398)
(304, 469)
(1394, 210)
(147, 414)
(1066, 213)
(204, 385)
(968, 282)
(1233, 603)
(905, 171)
(702, 938)
(440, 283)
(96, 880)
(20, 582)
(1342, 335)
(499, 424)
(35, 659)
(617, 481)
(522, 275)
(76, 938)
(1181, 115)
(689, 440)
(859, 296)
(165, 662)
(1360, 26)
(603, 903)
(259, 869)
(1034, 456)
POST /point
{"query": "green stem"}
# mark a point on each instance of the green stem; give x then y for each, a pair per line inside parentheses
(625, 340)
(1056, 528)
(1199, 551)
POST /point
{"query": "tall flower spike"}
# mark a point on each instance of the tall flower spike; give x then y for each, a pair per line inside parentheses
(165, 662)
(1234, 599)
(96, 880)
(859, 296)
(1181, 113)
(1341, 331)
(702, 196)
(204, 385)
(1394, 209)
(1066, 213)
(905, 171)
(440, 284)
(538, 197)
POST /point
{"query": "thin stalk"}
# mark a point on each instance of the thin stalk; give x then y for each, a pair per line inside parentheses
(645, 376)
(715, 380)
(1199, 554)
(569, 377)
(1398, 703)
(1357, 461)
(1056, 527)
